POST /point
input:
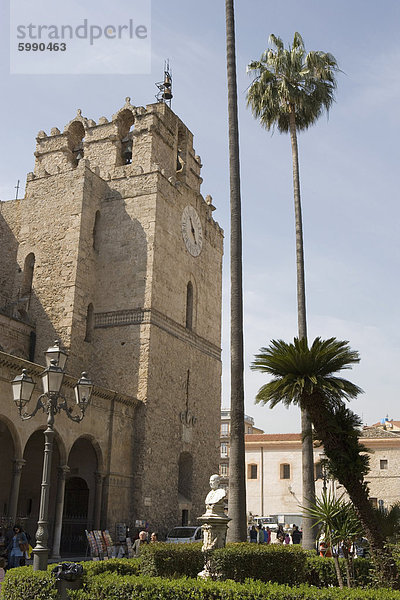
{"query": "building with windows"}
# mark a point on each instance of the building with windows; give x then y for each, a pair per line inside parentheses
(274, 479)
(224, 442)
(114, 251)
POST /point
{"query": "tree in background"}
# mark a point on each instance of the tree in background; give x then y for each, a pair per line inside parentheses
(290, 92)
(307, 377)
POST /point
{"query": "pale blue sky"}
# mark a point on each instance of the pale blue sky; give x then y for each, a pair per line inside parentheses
(348, 169)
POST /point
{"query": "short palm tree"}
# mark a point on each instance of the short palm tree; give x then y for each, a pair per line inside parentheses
(290, 92)
(338, 524)
(307, 376)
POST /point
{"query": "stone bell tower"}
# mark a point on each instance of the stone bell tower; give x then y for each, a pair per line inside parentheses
(124, 263)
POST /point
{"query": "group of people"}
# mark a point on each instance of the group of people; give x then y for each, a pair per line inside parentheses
(263, 535)
(143, 539)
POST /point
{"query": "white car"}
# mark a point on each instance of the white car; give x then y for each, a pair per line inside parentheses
(184, 535)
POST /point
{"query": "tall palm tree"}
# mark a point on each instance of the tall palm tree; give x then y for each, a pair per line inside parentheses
(237, 486)
(290, 92)
(307, 377)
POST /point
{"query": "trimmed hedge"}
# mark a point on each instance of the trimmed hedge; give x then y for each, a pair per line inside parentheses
(321, 571)
(118, 579)
(279, 564)
(25, 584)
(171, 560)
(122, 566)
(109, 586)
(275, 563)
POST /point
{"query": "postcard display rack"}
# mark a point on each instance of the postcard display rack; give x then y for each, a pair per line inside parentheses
(102, 547)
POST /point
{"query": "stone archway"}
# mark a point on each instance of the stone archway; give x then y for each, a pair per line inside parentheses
(80, 497)
(30, 486)
(185, 482)
(7, 453)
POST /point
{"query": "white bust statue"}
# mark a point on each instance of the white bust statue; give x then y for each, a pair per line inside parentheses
(215, 498)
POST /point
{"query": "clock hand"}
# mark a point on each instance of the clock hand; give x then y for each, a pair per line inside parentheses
(193, 230)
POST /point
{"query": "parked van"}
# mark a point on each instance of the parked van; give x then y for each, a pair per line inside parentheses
(184, 535)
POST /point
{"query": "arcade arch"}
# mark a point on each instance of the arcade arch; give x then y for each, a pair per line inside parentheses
(83, 495)
(31, 477)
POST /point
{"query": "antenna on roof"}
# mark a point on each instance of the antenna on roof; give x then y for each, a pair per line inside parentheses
(165, 87)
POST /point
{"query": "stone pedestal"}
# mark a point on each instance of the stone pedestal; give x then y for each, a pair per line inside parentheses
(214, 527)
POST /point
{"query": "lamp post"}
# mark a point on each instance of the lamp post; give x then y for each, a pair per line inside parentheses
(51, 402)
(324, 471)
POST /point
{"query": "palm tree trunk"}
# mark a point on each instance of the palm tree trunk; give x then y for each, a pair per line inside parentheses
(309, 532)
(237, 486)
(336, 442)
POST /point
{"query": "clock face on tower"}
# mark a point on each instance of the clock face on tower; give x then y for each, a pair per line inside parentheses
(192, 231)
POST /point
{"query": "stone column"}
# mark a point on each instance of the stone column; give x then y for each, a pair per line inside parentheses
(98, 500)
(62, 476)
(14, 492)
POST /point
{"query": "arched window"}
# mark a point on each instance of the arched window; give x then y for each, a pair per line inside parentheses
(181, 150)
(76, 134)
(125, 128)
(96, 228)
(185, 475)
(89, 323)
(28, 275)
(189, 306)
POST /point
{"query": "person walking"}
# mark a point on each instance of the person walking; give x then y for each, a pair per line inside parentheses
(253, 534)
(267, 535)
(280, 535)
(17, 548)
(260, 535)
(296, 535)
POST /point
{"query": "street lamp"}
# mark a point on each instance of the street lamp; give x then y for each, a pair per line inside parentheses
(51, 402)
(324, 471)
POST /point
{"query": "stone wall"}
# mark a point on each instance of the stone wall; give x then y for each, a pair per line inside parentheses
(110, 279)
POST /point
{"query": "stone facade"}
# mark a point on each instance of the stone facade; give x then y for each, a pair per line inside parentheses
(95, 257)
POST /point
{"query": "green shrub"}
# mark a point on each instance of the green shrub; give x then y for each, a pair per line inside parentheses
(109, 586)
(172, 560)
(280, 564)
(321, 571)
(363, 572)
(24, 583)
(122, 566)
(275, 563)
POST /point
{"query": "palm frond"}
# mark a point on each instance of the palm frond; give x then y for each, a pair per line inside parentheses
(288, 77)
